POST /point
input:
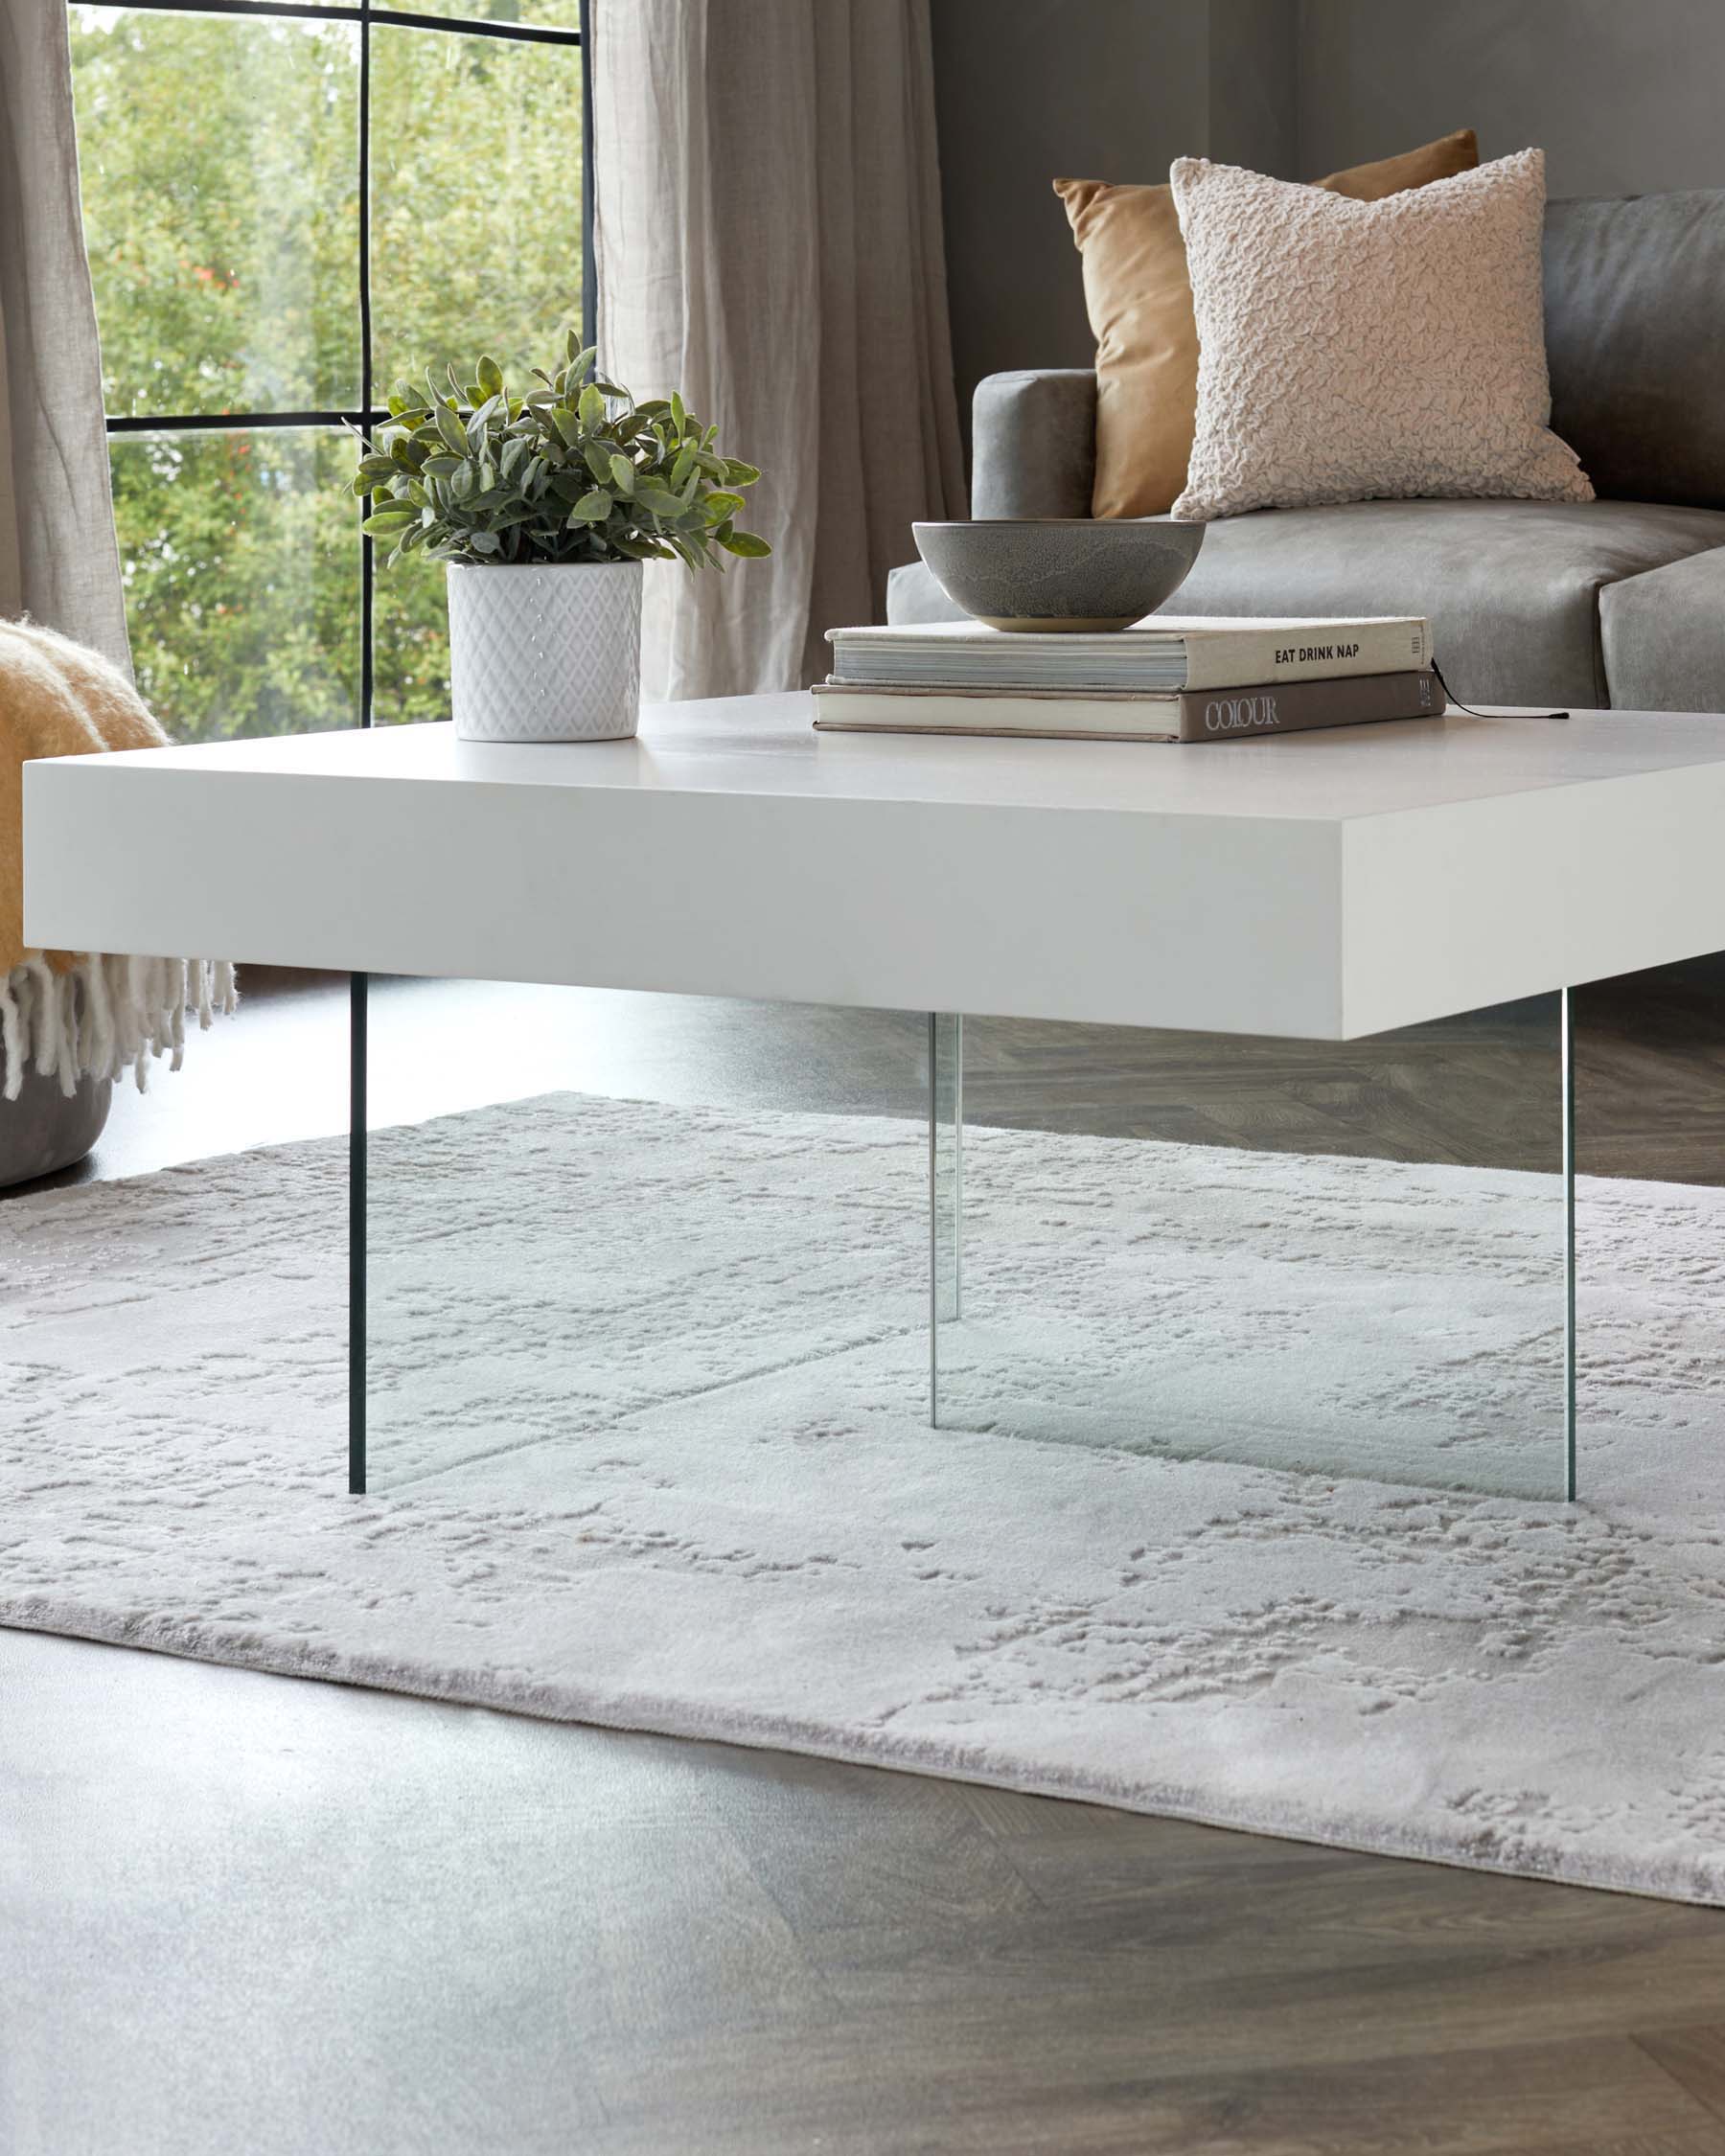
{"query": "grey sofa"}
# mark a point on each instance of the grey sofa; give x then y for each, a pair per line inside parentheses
(1619, 601)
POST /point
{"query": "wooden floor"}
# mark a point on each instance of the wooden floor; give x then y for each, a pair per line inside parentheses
(790, 1955)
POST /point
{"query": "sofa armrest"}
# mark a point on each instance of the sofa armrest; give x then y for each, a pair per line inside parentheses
(1033, 442)
(1663, 634)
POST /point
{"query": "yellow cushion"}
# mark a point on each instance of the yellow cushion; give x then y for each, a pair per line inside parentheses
(1141, 310)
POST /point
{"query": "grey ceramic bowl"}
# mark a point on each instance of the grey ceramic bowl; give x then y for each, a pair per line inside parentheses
(1059, 572)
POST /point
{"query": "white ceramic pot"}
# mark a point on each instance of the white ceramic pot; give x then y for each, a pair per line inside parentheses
(546, 651)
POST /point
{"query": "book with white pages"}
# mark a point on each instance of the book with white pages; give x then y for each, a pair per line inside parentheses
(1163, 655)
(1179, 715)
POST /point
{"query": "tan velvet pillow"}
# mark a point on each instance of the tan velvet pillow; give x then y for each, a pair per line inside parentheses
(1141, 310)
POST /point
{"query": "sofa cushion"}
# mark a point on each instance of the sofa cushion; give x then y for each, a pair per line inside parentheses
(1664, 637)
(1515, 590)
(1140, 309)
(1635, 337)
(1350, 351)
(1511, 587)
(913, 596)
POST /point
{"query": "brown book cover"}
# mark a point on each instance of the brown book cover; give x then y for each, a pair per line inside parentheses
(1186, 715)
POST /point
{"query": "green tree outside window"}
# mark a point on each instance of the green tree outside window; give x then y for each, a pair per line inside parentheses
(220, 168)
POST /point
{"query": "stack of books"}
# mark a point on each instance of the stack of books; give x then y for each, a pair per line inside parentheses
(1172, 679)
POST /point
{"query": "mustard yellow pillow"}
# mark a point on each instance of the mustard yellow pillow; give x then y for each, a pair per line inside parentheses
(1140, 309)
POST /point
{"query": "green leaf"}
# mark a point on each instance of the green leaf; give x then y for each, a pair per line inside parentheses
(656, 499)
(573, 471)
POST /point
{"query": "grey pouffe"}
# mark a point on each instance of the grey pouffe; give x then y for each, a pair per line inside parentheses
(42, 1130)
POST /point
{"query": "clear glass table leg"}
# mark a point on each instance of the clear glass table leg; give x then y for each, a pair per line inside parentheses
(1334, 1258)
(358, 1003)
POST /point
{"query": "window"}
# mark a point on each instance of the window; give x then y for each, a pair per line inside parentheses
(287, 208)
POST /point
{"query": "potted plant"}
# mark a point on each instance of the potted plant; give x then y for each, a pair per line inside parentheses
(544, 507)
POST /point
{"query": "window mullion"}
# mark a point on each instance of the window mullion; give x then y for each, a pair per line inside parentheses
(368, 566)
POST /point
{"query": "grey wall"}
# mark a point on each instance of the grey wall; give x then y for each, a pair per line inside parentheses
(1624, 95)
(1028, 91)
(1252, 105)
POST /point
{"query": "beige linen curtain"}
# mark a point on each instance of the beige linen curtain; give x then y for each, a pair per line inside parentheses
(58, 561)
(767, 239)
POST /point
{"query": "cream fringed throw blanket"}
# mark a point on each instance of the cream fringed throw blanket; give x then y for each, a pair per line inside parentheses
(75, 1015)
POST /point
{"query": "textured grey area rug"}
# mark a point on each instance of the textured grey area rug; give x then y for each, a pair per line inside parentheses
(649, 1449)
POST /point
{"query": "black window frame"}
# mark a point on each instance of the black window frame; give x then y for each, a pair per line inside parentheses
(368, 413)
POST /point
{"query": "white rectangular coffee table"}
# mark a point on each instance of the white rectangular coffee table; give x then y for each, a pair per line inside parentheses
(1321, 887)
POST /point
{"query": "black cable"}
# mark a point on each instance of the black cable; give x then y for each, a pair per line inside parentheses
(1450, 697)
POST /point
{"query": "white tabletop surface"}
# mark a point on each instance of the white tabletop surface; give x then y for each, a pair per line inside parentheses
(765, 745)
(1326, 884)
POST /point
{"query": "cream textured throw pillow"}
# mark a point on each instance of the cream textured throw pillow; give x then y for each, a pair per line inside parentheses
(1140, 309)
(1357, 350)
